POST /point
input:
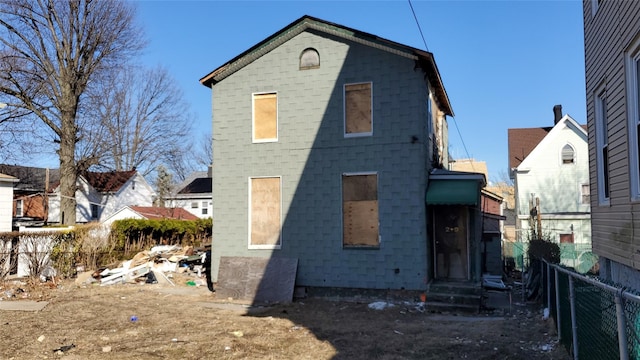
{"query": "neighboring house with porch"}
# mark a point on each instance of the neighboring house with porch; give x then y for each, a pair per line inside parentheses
(30, 204)
(612, 73)
(100, 194)
(325, 143)
(194, 194)
(550, 170)
(6, 201)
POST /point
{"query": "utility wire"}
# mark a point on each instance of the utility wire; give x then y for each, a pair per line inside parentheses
(427, 48)
(419, 28)
(463, 144)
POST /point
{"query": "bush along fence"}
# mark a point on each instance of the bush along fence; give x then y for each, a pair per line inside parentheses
(594, 319)
(577, 256)
(44, 252)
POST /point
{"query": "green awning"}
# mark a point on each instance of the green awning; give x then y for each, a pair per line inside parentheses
(453, 192)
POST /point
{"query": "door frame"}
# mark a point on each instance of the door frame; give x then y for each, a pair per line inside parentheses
(436, 225)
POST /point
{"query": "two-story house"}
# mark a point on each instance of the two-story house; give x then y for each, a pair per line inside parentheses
(101, 194)
(194, 194)
(549, 167)
(612, 63)
(330, 147)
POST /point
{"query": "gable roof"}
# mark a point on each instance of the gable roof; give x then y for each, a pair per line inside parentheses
(31, 179)
(156, 213)
(523, 141)
(106, 182)
(197, 186)
(424, 59)
(189, 179)
(7, 178)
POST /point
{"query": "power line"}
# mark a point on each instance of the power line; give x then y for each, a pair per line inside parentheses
(462, 140)
(427, 48)
(419, 28)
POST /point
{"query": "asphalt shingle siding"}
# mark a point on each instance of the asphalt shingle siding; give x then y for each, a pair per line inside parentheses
(312, 154)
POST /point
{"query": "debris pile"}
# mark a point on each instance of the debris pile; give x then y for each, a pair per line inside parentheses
(154, 266)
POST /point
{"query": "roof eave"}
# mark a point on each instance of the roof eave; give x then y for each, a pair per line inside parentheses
(424, 58)
(428, 62)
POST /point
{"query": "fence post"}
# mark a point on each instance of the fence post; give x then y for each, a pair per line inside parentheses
(574, 321)
(622, 326)
(558, 315)
(548, 286)
(541, 286)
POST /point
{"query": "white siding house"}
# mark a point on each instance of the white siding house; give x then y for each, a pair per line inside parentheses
(135, 191)
(552, 181)
(6, 201)
(194, 194)
(100, 195)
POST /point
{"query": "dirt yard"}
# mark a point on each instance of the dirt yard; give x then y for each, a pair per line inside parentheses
(153, 321)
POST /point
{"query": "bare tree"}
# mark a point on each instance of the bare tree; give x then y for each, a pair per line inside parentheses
(163, 184)
(144, 120)
(51, 52)
(203, 154)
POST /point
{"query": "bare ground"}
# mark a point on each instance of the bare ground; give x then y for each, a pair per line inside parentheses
(185, 322)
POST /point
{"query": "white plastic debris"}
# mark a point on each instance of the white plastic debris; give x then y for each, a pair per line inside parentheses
(545, 314)
(380, 305)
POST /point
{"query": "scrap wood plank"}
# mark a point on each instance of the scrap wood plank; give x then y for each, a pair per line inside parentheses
(126, 275)
(258, 280)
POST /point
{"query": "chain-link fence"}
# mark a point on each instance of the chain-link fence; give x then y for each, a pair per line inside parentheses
(576, 256)
(595, 320)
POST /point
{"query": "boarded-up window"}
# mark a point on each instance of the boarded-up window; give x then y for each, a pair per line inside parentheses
(264, 197)
(360, 210)
(357, 109)
(265, 117)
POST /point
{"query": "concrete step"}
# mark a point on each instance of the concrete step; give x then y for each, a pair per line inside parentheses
(441, 307)
(453, 298)
(455, 288)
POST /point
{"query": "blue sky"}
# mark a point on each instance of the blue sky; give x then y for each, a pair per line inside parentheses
(504, 64)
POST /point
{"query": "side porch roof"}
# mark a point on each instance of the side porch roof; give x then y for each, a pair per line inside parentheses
(448, 187)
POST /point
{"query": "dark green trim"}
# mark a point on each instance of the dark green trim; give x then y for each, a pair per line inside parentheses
(453, 192)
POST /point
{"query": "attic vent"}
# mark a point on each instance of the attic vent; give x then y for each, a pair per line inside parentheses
(567, 154)
(309, 59)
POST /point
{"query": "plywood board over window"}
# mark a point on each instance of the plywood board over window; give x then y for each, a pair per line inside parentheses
(358, 118)
(360, 210)
(265, 117)
(265, 212)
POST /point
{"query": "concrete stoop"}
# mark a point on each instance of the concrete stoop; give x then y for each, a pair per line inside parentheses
(448, 297)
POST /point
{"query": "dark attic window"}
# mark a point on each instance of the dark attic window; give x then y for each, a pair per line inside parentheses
(309, 59)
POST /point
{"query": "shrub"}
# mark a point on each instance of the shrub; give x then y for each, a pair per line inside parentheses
(130, 236)
(544, 249)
